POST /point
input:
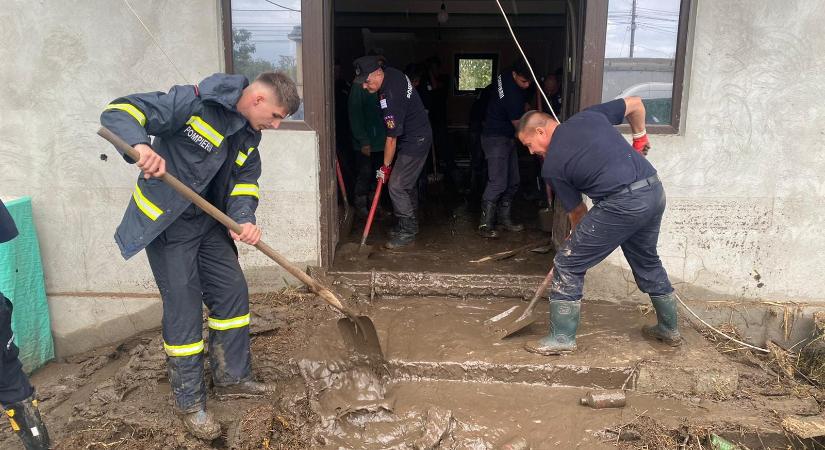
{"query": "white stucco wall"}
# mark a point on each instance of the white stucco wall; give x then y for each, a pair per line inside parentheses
(745, 179)
(62, 63)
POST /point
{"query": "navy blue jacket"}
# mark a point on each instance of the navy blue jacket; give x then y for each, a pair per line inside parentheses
(196, 130)
(8, 230)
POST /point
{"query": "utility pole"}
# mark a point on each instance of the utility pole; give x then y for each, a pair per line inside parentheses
(632, 27)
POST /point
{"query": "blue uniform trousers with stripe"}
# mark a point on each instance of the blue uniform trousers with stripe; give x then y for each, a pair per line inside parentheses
(630, 220)
(194, 262)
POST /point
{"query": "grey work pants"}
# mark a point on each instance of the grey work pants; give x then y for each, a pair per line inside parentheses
(403, 185)
(502, 168)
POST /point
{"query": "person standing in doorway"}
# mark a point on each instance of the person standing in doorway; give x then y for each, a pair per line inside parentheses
(368, 138)
(408, 134)
(505, 107)
(207, 136)
(16, 393)
(587, 155)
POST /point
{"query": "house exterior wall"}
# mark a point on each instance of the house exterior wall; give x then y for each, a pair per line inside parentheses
(745, 178)
(63, 62)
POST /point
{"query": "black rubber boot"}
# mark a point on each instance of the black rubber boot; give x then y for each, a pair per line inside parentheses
(564, 321)
(408, 228)
(202, 424)
(504, 218)
(487, 227)
(28, 425)
(666, 328)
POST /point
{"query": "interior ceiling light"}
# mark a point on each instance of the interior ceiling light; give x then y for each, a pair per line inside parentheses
(443, 15)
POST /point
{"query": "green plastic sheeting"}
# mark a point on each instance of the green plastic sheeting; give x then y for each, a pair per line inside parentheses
(21, 281)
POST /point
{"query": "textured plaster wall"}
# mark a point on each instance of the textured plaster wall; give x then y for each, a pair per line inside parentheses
(745, 179)
(62, 63)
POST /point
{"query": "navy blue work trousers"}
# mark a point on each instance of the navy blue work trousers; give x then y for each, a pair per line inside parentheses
(14, 384)
(195, 262)
(502, 168)
(630, 220)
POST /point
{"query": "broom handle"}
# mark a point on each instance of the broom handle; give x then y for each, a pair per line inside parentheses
(218, 215)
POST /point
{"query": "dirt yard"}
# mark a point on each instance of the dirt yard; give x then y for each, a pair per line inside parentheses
(118, 397)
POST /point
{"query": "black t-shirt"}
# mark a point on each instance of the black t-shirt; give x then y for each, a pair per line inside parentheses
(506, 105)
(588, 155)
(404, 114)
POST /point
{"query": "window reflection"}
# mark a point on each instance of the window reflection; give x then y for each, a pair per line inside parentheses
(267, 35)
(640, 52)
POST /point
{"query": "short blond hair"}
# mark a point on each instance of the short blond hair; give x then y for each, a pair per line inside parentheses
(531, 120)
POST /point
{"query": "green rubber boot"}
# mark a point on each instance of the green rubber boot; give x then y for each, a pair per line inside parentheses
(564, 321)
(666, 328)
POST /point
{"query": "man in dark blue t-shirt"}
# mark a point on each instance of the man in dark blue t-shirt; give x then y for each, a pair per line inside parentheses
(587, 155)
(505, 107)
(408, 133)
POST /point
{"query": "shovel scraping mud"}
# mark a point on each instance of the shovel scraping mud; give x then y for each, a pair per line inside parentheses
(358, 331)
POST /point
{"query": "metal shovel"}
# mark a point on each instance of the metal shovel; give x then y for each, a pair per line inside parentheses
(354, 251)
(358, 331)
(349, 213)
(517, 318)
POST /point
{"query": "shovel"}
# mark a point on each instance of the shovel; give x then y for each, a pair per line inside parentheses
(349, 214)
(358, 331)
(363, 251)
(435, 180)
(517, 318)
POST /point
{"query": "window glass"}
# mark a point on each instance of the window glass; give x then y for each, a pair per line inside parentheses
(474, 72)
(640, 52)
(266, 35)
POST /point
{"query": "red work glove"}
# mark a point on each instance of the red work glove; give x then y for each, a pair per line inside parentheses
(383, 174)
(641, 143)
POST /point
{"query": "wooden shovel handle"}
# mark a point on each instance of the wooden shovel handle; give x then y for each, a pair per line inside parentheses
(542, 287)
(218, 215)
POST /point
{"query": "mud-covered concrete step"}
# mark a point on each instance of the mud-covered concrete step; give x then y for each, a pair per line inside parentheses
(446, 339)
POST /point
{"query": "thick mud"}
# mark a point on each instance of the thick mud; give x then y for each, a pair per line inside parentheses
(444, 386)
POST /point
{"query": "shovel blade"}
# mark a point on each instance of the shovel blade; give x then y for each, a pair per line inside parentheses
(360, 335)
(352, 251)
(513, 320)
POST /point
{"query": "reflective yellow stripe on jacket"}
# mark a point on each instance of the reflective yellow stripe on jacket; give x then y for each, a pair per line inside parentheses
(205, 130)
(241, 159)
(183, 350)
(150, 209)
(131, 109)
(245, 189)
(228, 324)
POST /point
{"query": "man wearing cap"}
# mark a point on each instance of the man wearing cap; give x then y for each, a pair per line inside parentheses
(409, 135)
(586, 154)
(505, 107)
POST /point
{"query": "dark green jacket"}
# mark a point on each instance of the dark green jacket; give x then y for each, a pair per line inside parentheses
(366, 120)
(195, 130)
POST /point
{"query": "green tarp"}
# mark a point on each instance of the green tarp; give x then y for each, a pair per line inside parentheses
(21, 281)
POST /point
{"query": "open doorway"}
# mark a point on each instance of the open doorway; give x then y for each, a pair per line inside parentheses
(452, 50)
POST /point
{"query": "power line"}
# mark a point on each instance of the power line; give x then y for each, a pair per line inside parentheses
(282, 6)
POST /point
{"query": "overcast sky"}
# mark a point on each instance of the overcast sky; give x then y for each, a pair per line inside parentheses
(269, 24)
(657, 22)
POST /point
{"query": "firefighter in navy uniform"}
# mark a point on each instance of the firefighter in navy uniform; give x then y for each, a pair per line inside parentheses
(207, 136)
(16, 393)
(408, 134)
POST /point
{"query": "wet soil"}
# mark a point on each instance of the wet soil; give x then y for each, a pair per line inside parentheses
(448, 242)
(444, 385)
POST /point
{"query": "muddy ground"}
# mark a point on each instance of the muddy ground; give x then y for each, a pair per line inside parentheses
(118, 397)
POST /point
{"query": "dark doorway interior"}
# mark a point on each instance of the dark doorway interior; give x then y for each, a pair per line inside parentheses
(456, 57)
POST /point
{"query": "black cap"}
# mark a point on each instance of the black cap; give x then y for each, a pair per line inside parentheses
(366, 65)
